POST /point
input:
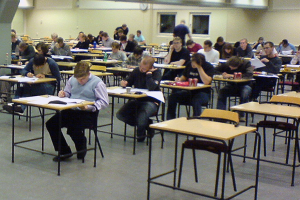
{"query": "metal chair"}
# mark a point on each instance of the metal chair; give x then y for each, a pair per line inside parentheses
(210, 145)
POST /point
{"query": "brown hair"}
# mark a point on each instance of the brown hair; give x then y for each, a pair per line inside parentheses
(177, 39)
(115, 45)
(224, 54)
(148, 60)
(81, 69)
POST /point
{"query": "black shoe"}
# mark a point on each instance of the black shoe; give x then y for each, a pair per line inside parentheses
(81, 150)
(9, 109)
(63, 157)
(141, 138)
(150, 131)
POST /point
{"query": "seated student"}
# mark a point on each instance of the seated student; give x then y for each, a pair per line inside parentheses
(284, 45)
(140, 38)
(273, 65)
(244, 50)
(42, 48)
(227, 51)
(124, 29)
(90, 39)
(126, 45)
(83, 85)
(26, 51)
(135, 58)
(211, 55)
(40, 67)
(192, 46)
(145, 77)
(219, 44)
(260, 51)
(131, 38)
(203, 71)
(14, 46)
(120, 33)
(54, 37)
(178, 55)
(82, 44)
(106, 40)
(98, 39)
(260, 41)
(234, 64)
(117, 54)
(296, 58)
(62, 48)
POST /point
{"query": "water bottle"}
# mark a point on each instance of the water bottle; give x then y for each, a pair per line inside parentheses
(105, 57)
(95, 44)
(153, 51)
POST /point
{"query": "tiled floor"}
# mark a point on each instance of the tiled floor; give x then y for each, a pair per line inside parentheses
(123, 176)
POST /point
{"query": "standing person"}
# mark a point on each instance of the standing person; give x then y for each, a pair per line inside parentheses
(273, 65)
(124, 27)
(181, 30)
(15, 44)
(83, 85)
(211, 55)
(203, 71)
(140, 38)
(244, 50)
(177, 55)
(235, 64)
(193, 47)
(145, 77)
(219, 44)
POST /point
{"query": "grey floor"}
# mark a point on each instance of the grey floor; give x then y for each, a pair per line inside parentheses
(123, 176)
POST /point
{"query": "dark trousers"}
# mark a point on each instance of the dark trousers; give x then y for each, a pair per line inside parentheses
(139, 117)
(195, 99)
(75, 121)
(262, 83)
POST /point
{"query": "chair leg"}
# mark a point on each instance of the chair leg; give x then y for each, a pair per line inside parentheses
(232, 172)
(255, 143)
(90, 136)
(98, 142)
(217, 174)
(195, 165)
(274, 139)
(264, 140)
(125, 131)
(181, 165)
(288, 147)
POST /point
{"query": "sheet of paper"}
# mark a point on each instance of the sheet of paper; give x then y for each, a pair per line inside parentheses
(257, 63)
(293, 65)
(16, 66)
(61, 57)
(156, 95)
(287, 52)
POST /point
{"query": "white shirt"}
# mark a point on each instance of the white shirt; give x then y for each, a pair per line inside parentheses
(212, 56)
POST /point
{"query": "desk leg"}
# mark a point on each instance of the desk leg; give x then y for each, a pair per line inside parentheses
(258, 137)
(175, 160)
(295, 154)
(13, 134)
(59, 142)
(245, 140)
(149, 168)
(112, 116)
(43, 129)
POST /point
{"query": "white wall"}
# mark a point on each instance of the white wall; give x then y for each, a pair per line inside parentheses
(231, 23)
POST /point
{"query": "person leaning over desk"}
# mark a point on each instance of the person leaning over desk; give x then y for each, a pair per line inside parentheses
(83, 85)
(145, 77)
(40, 67)
(203, 71)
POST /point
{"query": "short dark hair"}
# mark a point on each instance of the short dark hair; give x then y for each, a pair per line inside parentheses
(120, 31)
(123, 38)
(39, 59)
(189, 42)
(220, 39)
(208, 42)
(60, 40)
(138, 50)
(13, 30)
(124, 25)
(81, 69)
(23, 45)
(285, 41)
(199, 58)
(100, 32)
(104, 34)
(139, 31)
(115, 45)
(234, 61)
(44, 47)
(270, 43)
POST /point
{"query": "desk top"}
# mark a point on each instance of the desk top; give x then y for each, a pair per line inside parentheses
(12, 66)
(96, 73)
(269, 109)
(119, 69)
(290, 94)
(124, 94)
(37, 101)
(167, 66)
(198, 87)
(101, 61)
(66, 64)
(203, 128)
(88, 54)
(23, 79)
(232, 80)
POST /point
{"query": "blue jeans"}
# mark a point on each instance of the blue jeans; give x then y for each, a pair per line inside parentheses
(34, 90)
(196, 99)
(139, 117)
(243, 91)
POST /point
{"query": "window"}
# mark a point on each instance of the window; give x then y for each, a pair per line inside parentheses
(167, 22)
(200, 23)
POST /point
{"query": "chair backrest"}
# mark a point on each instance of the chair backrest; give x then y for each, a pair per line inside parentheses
(216, 114)
(96, 51)
(98, 68)
(285, 100)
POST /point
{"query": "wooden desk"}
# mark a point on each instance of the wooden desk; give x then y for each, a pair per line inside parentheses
(18, 79)
(108, 62)
(13, 66)
(66, 64)
(68, 74)
(210, 130)
(274, 110)
(167, 66)
(119, 73)
(291, 94)
(219, 79)
(29, 101)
